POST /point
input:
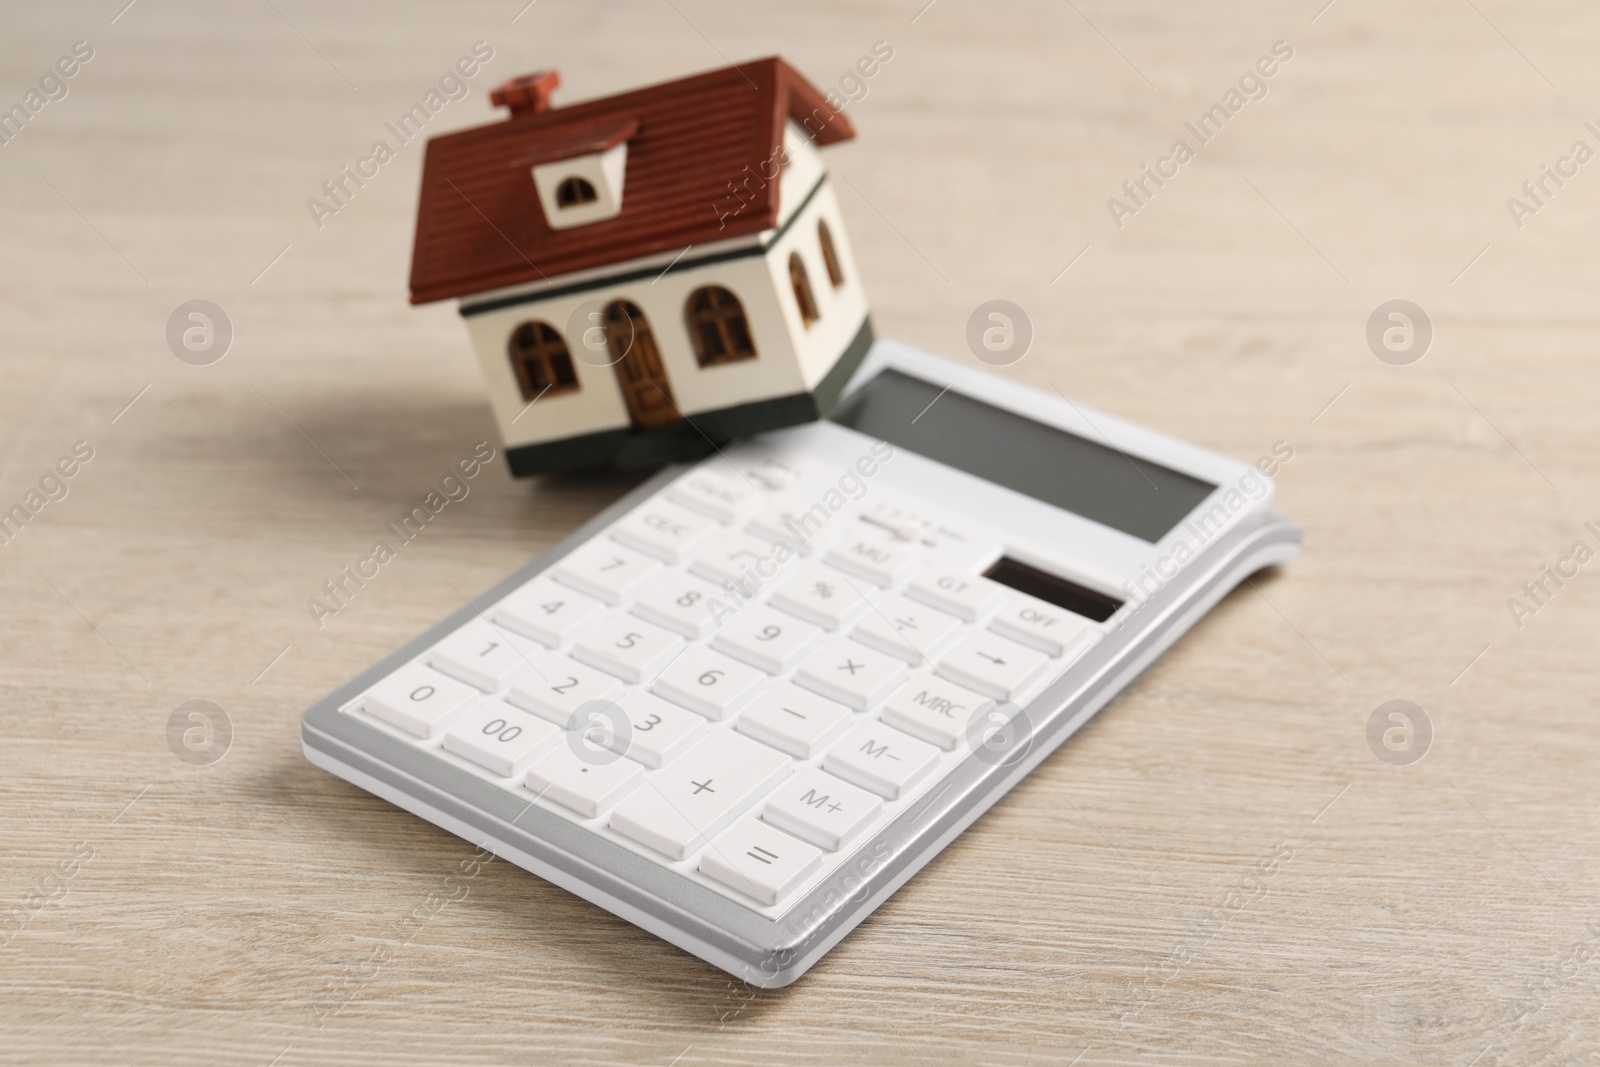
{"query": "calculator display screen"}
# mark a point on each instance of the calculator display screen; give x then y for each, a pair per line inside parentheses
(1094, 480)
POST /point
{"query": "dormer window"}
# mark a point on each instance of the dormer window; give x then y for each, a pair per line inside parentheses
(574, 191)
(578, 174)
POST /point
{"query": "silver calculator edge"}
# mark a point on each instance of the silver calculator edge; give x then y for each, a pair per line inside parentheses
(764, 952)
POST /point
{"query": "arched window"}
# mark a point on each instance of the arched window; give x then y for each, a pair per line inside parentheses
(717, 326)
(574, 191)
(829, 256)
(540, 360)
(802, 290)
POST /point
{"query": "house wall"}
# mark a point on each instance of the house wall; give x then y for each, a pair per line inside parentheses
(790, 359)
(597, 404)
(840, 310)
(804, 170)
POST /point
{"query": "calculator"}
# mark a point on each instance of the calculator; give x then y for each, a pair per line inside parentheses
(749, 701)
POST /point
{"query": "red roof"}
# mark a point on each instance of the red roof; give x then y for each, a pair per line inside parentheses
(479, 223)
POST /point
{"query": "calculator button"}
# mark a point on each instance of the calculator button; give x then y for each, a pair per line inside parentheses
(952, 542)
(659, 731)
(557, 686)
(606, 570)
(850, 672)
(546, 611)
(776, 468)
(905, 629)
(934, 709)
(418, 700)
(877, 559)
(806, 527)
(821, 595)
(881, 759)
(795, 720)
(742, 558)
(966, 596)
(773, 478)
(728, 499)
(821, 809)
(585, 787)
(627, 647)
(707, 682)
(992, 665)
(760, 862)
(664, 530)
(771, 473)
(766, 638)
(482, 655)
(897, 523)
(680, 809)
(682, 603)
(1039, 625)
(500, 738)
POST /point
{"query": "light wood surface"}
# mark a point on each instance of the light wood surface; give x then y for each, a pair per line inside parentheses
(1443, 912)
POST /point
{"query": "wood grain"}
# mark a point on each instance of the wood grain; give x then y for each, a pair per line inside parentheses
(1444, 912)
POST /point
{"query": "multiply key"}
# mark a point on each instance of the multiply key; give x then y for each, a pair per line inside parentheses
(850, 672)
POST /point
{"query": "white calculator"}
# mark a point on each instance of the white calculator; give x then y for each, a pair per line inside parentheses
(746, 703)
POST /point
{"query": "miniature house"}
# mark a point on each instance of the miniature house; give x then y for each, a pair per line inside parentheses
(646, 274)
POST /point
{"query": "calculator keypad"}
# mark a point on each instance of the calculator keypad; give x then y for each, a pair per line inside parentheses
(736, 680)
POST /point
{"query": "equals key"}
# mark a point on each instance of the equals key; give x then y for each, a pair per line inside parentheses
(760, 861)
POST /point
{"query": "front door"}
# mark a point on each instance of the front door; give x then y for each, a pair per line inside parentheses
(645, 388)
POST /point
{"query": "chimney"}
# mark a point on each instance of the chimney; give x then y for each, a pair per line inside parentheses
(528, 94)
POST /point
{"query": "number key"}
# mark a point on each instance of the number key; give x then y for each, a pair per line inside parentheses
(418, 700)
(707, 682)
(558, 686)
(606, 570)
(766, 638)
(481, 654)
(500, 738)
(659, 731)
(546, 611)
(627, 647)
(684, 604)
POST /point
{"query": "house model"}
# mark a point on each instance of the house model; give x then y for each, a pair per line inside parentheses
(646, 274)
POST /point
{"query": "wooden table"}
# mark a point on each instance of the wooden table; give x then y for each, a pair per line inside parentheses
(1219, 869)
